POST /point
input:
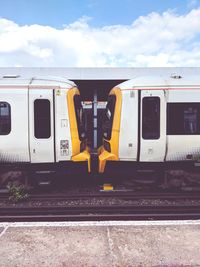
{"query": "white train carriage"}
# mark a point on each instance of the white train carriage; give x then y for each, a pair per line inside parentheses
(152, 122)
(41, 122)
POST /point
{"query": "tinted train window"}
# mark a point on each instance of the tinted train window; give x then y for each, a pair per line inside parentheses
(42, 118)
(151, 118)
(80, 117)
(5, 118)
(183, 118)
(108, 117)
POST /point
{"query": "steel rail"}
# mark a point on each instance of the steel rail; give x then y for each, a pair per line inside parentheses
(121, 195)
(109, 212)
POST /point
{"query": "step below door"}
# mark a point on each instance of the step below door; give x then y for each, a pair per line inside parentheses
(41, 125)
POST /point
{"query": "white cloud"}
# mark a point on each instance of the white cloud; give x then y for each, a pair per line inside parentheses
(155, 40)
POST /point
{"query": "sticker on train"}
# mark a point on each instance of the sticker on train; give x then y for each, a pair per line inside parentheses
(64, 147)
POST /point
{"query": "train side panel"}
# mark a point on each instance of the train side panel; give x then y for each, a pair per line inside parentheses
(14, 142)
(168, 118)
(62, 126)
(128, 138)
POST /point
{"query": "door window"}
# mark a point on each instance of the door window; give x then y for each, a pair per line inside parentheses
(108, 117)
(42, 118)
(80, 117)
(151, 118)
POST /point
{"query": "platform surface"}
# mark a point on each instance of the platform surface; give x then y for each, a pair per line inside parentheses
(102, 244)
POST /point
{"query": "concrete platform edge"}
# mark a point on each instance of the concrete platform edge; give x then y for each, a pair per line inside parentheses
(99, 223)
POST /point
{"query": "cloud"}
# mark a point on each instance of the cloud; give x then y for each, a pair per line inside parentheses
(155, 40)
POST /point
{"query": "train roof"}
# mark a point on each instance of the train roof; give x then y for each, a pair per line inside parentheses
(175, 80)
(17, 80)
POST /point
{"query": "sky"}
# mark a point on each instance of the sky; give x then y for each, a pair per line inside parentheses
(99, 33)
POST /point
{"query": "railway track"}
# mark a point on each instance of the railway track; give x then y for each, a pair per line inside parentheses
(60, 207)
(130, 195)
(96, 213)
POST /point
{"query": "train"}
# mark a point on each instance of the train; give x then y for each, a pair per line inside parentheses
(42, 124)
(152, 122)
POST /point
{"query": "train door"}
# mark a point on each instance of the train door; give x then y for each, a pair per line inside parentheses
(153, 126)
(41, 125)
(14, 143)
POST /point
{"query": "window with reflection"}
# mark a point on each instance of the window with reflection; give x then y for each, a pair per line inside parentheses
(42, 118)
(183, 118)
(5, 118)
(80, 117)
(108, 117)
(151, 118)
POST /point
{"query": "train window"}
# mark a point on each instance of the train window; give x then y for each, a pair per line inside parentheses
(183, 119)
(108, 117)
(42, 118)
(151, 118)
(80, 117)
(5, 118)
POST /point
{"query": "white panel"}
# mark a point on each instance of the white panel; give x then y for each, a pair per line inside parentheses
(41, 150)
(154, 150)
(179, 146)
(14, 146)
(129, 126)
(100, 73)
(183, 96)
(62, 126)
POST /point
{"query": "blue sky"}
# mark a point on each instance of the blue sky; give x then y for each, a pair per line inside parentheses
(99, 33)
(57, 13)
